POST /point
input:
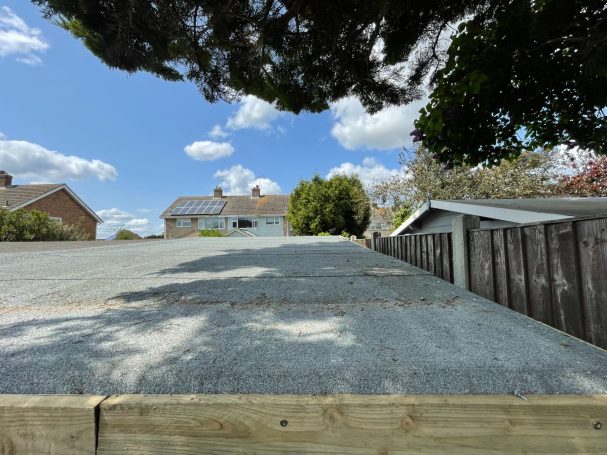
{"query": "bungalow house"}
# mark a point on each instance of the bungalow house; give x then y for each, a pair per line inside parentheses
(436, 215)
(243, 216)
(56, 199)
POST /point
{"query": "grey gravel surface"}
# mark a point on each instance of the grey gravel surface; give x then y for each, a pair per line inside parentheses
(22, 247)
(281, 315)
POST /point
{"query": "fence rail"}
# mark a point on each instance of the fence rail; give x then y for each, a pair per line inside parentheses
(554, 272)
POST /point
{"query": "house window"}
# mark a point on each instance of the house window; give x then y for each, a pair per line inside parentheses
(272, 220)
(378, 226)
(211, 223)
(243, 223)
(184, 223)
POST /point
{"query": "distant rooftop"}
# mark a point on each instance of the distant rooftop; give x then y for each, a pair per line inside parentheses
(220, 205)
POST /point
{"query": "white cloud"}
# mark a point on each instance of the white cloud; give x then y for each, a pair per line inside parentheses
(387, 129)
(217, 132)
(240, 180)
(208, 150)
(33, 162)
(114, 219)
(253, 113)
(369, 172)
(18, 39)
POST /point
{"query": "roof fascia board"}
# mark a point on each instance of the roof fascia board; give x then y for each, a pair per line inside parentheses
(54, 190)
(409, 221)
(498, 213)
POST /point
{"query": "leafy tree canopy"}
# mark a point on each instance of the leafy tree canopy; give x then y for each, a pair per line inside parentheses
(524, 75)
(333, 206)
(518, 74)
(531, 174)
(302, 54)
(589, 178)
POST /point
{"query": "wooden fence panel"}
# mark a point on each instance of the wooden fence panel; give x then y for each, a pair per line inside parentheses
(555, 272)
(430, 247)
(424, 252)
(431, 252)
(481, 264)
(564, 269)
(500, 267)
(517, 270)
(592, 246)
(447, 257)
(438, 260)
(539, 292)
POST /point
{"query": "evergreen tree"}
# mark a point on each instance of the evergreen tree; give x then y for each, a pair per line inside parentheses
(337, 205)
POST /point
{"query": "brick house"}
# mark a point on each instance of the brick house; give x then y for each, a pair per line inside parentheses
(57, 199)
(243, 216)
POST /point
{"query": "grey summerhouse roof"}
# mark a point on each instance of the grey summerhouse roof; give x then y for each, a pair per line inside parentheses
(520, 211)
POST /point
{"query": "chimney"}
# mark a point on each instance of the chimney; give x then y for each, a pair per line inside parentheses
(217, 192)
(6, 180)
(256, 191)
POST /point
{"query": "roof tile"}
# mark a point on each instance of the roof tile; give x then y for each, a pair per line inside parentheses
(16, 195)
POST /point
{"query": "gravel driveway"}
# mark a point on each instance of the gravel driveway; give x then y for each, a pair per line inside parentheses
(265, 315)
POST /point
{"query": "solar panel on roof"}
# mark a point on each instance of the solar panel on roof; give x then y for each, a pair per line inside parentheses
(199, 207)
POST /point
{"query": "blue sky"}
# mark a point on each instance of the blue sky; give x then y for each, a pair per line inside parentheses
(130, 144)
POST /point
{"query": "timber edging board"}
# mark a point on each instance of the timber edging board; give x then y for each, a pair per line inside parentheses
(352, 424)
(302, 424)
(48, 424)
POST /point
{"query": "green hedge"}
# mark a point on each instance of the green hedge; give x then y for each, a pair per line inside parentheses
(34, 225)
(125, 234)
(209, 233)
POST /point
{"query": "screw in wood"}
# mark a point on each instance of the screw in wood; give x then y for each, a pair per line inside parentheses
(284, 423)
(597, 425)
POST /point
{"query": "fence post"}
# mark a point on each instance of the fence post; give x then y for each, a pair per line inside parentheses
(373, 243)
(459, 238)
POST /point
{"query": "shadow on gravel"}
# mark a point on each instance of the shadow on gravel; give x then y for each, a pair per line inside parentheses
(302, 257)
